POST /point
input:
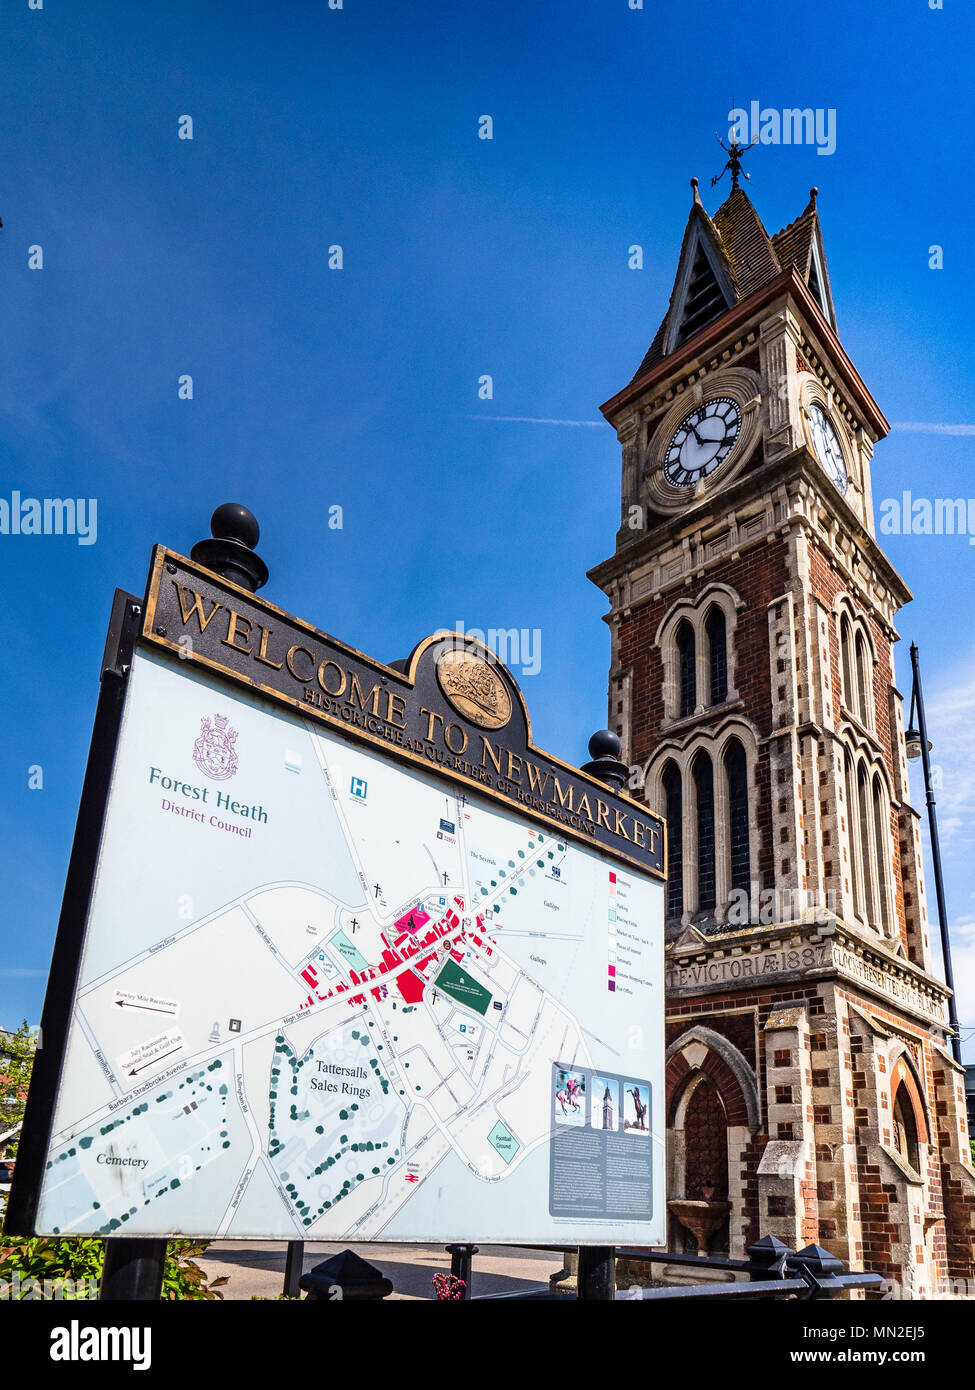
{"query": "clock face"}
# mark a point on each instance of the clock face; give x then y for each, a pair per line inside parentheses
(827, 446)
(702, 441)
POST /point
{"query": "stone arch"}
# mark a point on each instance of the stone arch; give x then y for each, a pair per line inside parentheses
(713, 1115)
(680, 754)
(695, 612)
(725, 1065)
(869, 834)
(904, 1074)
(854, 638)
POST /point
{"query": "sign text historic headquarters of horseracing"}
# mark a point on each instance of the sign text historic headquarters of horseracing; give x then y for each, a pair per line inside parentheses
(360, 961)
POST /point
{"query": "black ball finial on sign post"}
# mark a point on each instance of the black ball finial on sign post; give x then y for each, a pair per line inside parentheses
(230, 550)
(605, 748)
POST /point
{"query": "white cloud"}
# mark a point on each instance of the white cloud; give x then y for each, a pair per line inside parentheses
(533, 420)
(931, 427)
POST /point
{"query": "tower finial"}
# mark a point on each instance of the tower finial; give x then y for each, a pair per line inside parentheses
(734, 152)
(697, 196)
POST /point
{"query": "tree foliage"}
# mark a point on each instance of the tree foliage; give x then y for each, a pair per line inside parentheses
(16, 1060)
(29, 1266)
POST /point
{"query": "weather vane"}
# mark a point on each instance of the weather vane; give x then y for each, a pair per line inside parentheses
(734, 152)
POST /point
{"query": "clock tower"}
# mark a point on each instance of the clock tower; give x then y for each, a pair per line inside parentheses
(811, 1090)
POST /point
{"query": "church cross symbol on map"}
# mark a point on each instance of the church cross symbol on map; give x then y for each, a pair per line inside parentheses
(354, 924)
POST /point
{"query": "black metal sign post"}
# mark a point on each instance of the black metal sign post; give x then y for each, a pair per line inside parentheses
(123, 627)
(451, 708)
(133, 1270)
(293, 1267)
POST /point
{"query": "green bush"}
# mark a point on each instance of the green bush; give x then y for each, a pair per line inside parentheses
(16, 1059)
(71, 1269)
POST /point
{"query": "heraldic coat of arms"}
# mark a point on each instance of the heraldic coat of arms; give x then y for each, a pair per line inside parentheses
(214, 752)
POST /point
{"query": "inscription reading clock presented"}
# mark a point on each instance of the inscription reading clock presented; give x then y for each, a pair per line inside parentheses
(702, 441)
(827, 446)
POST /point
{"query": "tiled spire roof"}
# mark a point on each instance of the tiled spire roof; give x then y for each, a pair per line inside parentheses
(742, 258)
(746, 243)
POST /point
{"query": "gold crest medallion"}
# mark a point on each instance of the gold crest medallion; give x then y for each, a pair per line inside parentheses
(474, 688)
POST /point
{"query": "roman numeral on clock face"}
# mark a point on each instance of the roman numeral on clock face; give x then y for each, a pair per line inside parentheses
(702, 441)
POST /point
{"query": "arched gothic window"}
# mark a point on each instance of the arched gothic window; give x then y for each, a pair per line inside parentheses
(856, 667)
(852, 836)
(881, 830)
(863, 828)
(846, 662)
(687, 675)
(696, 641)
(862, 688)
(704, 796)
(736, 771)
(674, 816)
(868, 837)
(716, 630)
(904, 1127)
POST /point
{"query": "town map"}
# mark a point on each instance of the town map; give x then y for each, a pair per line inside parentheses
(326, 995)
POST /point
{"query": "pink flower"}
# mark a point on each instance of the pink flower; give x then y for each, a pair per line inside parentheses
(448, 1287)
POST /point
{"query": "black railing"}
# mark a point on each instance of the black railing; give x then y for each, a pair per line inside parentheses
(771, 1271)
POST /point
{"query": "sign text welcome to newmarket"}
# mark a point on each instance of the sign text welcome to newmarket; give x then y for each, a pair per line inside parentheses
(213, 623)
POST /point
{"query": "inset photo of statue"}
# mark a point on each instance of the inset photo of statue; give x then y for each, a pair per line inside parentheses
(636, 1108)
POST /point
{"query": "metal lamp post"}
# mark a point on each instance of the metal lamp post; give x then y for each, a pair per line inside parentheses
(918, 746)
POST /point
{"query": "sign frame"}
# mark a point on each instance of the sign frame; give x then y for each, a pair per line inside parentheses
(145, 624)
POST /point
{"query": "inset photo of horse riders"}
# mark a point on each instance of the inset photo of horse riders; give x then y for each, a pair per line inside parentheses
(570, 1096)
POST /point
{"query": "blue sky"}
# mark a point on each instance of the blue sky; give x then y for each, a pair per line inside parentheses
(315, 387)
